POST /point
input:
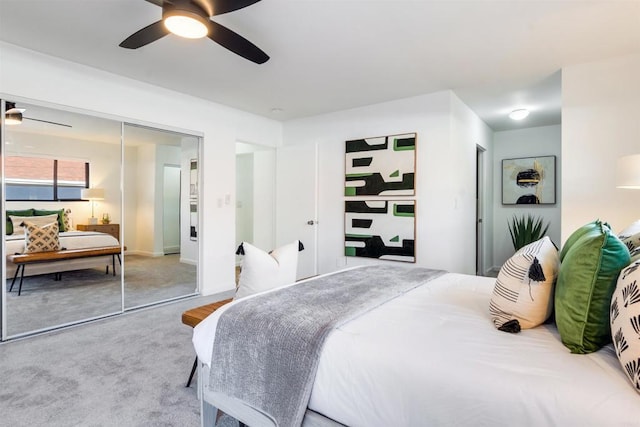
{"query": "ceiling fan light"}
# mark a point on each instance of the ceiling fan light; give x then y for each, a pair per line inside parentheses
(13, 118)
(519, 114)
(186, 24)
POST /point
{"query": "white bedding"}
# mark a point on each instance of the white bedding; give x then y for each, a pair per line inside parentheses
(433, 357)
(69, 240)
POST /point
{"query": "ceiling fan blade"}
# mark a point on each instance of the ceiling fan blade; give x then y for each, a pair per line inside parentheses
(143, 37)
(236, 43)
(156, 2)
(47, 121)
(218, 7)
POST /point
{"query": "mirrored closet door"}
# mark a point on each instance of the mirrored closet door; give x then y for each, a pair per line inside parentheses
(61, 172)
(115, 207)
(160, 210)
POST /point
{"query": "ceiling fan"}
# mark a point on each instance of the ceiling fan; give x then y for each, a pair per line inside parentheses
(190, 19)
(14, 116)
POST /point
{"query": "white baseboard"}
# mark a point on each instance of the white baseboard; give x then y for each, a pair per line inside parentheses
(188, 261)
(144, 253)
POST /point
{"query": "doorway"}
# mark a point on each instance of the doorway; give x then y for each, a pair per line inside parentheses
(479, 210)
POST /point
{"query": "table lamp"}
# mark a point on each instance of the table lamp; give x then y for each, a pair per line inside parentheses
(92, 194)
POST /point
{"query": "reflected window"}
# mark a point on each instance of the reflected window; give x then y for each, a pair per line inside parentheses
(45, 179)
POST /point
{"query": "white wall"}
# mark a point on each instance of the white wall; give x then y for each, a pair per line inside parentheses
(600, 122)
(445, 174)
(528, 142)
(28, 75)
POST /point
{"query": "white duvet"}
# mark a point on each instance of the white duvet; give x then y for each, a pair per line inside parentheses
(433, 357)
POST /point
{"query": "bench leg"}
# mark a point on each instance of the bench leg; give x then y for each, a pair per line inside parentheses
(15, 275)
(113, 263)
(21, 277)
(193, 371)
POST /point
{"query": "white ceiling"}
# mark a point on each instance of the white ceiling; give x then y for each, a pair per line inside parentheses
(329, 55)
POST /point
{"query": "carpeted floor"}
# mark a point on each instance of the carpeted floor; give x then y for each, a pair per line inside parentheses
(85, 294)
(129, 370)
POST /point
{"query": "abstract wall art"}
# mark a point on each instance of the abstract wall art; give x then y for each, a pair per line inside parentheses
(529, 180)
(382, 229)
(382, 166)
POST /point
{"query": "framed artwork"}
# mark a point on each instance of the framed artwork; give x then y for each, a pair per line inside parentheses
(529, 181)
(382, 229)
(193, 199)
(382, 166)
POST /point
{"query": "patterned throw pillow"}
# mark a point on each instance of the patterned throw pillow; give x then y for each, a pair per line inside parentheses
(262, 271)
(523, 294)
(67, 219)
(625, 322)
(41, 239)
(630, 236)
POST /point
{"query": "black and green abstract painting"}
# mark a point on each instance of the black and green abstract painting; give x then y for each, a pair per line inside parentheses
(382, 166)
(382, 229)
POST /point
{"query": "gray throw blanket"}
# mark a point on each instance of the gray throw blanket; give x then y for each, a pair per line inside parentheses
(267, 348)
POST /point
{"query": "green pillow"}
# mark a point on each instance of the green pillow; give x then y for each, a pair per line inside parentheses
(576, 235)
(587, 279)
(9, 224)
(59, 212)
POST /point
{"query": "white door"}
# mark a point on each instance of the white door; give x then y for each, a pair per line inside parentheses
(171, 210)
(296, 202)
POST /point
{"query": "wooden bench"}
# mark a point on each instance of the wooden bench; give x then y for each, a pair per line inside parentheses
(196, 315)
(21, 260)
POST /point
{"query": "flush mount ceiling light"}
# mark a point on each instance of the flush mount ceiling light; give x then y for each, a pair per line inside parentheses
(185, 20)
(519, 114)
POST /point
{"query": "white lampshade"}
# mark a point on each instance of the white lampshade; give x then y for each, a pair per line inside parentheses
(628, 172)
(92, 194)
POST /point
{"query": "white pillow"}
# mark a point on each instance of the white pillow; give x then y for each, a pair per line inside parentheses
(625, 322)
(262, 271)
(40, 221)
(523, 294)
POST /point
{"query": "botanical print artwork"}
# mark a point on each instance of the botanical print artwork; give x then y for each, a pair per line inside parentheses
(382, 229)
(529, 180)
(383, 166)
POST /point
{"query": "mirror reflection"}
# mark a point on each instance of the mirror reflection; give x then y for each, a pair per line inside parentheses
(61, 173)
(160, 213)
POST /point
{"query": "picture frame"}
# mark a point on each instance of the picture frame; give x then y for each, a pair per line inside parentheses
(381, 166)
(529, 181)
(380, 229)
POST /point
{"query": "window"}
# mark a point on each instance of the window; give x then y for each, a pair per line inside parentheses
(35, 178)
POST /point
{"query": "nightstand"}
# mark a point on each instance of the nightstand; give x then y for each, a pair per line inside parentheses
(113, 229)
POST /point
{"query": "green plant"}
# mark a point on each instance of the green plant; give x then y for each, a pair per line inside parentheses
(525, 230)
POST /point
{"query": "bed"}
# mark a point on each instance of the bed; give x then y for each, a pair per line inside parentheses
(69, 240)
(432, 356)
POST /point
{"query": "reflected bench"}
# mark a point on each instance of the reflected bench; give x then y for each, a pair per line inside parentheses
(21, 260)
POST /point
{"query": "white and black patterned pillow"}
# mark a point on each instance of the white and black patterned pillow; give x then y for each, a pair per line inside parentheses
(630, 236)
(41, 239)
(625, 322)
(523, 294)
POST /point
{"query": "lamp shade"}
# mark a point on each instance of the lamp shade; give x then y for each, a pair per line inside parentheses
(628, 172)
(92, 194)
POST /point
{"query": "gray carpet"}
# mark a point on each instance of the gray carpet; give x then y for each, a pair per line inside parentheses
(129, 370)
(84, 294)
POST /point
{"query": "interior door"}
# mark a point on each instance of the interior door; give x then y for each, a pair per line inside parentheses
(296, 202)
